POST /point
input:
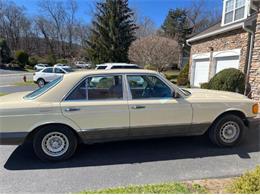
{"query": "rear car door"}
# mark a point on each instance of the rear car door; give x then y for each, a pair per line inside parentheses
(58, 72)
(153, 109)
(48, 75)
(98, 105)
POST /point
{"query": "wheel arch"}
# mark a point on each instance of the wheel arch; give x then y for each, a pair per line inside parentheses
(30, 136)
(237, 113)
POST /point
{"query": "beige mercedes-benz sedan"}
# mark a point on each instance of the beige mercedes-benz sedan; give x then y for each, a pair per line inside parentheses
(109, 105)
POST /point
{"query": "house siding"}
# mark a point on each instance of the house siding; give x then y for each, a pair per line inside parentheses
(254, 73)
(236, 39)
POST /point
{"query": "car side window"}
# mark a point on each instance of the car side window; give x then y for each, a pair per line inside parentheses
(58, 70)
(148, 86)
(98, 88)
(48, 70)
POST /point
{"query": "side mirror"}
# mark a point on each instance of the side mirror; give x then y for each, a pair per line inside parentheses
(175, 95)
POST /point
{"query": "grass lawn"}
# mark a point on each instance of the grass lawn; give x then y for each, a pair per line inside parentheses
(167, 188)
(28, 83)
(1, 94)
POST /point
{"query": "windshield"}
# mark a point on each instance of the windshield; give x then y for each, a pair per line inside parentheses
(43, 89)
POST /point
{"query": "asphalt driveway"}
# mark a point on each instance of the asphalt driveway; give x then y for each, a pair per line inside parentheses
(123, 163)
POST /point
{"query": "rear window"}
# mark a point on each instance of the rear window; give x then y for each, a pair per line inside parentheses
(101, 67)
(38, 92)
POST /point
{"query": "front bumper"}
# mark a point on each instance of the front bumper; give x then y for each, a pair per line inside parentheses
(253, 123)
(12, 138)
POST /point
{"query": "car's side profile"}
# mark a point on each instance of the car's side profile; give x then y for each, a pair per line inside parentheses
(109, 105)
(81, 64)
(40, 66)
(48, 74)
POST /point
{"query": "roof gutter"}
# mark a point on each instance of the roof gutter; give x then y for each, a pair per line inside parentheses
(216, 32)
(249, 56)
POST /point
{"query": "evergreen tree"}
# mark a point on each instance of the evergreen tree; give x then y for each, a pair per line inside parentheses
(176, 26)
(5, 52)
(112, 32)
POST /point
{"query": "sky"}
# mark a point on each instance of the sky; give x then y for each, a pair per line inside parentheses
(154, 9)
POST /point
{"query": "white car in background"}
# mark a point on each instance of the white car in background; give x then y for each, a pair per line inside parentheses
(49, 74)
(61, 66)
(81, 64)
(41, 66)
(108, 66)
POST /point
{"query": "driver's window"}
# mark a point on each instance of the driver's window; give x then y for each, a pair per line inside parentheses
(59, 71)
(148, 86)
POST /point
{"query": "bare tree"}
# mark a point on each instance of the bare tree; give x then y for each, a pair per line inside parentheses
(155, 51)
(146, 27)
(13, 24)
(201, 16)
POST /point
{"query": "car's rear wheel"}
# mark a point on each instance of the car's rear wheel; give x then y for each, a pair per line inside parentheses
(54, 143)
(227, 130)
(41, 82)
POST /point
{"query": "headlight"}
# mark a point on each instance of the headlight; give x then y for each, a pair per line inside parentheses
(255, 108)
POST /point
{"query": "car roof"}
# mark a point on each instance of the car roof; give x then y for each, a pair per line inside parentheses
(116, 64)
(83, 73)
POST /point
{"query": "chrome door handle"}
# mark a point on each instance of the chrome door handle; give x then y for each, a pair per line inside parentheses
(138, 107)
(72, 109)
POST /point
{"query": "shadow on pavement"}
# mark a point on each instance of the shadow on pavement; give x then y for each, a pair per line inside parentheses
(139, 151)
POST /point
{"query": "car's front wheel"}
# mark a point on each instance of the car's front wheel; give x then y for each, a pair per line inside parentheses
(54, 143)
(227, 130)
(41, 82)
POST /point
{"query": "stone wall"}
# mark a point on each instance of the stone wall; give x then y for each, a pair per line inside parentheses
(254, 74)
(236, 39)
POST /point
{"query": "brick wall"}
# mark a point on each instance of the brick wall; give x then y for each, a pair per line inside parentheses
(236, 39)
(254, 74)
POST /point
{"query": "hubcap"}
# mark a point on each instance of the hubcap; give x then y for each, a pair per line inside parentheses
(55, 144)
(229, 132)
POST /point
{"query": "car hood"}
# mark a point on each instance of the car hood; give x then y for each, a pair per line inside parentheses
(214, 94)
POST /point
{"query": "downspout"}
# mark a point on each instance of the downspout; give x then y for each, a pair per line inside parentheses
(250, 55)
(190, 68)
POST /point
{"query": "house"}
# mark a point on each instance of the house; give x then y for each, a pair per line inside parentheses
(234, 42)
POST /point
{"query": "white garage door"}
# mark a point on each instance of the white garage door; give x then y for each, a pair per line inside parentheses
(201, 72)
(227, 62)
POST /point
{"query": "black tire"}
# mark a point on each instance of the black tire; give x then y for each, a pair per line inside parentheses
(41, 82)
(63, 133)
(216, 131)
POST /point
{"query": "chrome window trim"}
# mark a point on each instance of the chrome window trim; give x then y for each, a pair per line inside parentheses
(148, 74)
(96, 75)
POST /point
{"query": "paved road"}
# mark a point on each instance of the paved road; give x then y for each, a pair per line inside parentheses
(9, 79)
(123, 163)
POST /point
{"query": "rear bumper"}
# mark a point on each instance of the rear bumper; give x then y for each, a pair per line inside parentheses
(253, 123)
(12, 138)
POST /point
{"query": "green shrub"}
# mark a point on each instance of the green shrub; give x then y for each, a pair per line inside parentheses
(150, 67)
(249, 183)
(33, 60)
(21, 57)
(204, 85)
(62, 61)
(230, 79)
(183, 78)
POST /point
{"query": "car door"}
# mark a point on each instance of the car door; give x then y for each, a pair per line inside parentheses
(98, 105)
(153, 109)
(58, 72)
(47, 74)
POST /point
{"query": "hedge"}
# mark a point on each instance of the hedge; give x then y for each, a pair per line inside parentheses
(230, 79)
